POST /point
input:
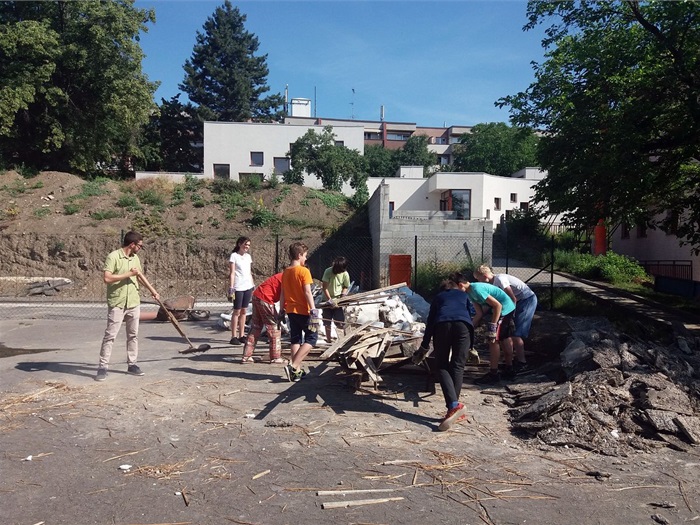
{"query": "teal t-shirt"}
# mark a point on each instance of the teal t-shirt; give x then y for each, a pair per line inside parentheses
(479, 292)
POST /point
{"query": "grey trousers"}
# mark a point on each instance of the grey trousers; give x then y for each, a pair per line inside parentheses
(115, 317)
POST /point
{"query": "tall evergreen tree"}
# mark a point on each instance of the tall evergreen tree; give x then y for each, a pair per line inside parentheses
(72, 92)
(225, 77)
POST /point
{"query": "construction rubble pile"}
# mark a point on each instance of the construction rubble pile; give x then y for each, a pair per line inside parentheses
(620, 394)
(377, 321)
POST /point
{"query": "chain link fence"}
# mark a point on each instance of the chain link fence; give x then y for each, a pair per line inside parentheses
(61, 277)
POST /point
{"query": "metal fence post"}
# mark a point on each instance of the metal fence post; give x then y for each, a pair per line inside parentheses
(483, 239)
(277, 252)
(415, 263)
(551, 276)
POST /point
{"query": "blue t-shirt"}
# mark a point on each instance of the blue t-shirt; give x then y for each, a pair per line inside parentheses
(448, 305)
(479, 292)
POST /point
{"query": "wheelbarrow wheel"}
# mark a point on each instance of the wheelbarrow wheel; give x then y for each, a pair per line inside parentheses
(199, 315)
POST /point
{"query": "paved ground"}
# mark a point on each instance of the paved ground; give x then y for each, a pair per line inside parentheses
(213, 441)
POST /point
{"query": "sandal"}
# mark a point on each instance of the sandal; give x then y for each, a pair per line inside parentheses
(247, 359)
(278, 361)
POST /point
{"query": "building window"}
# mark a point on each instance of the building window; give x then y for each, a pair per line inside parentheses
(391, 209)
(398, 136)
(524, 206)
(513, 197)
(455, 140)
(439, 140)
(459, 202)
(370, 135)
(257, 158)
(282, 165)
(443, 160)
(624, 231)
(641, 229)
(340, 143)
(672, 222)
(222, 171)
(497, 203)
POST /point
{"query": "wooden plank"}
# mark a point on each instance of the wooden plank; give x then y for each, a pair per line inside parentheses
(380, 348)
(369, 367)
(354, 297)
(345, 504)
(341, 341)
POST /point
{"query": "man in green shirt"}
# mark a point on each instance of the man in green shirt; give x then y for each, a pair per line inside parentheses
(122, 271)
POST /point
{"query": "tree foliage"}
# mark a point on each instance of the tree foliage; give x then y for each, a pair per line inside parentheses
(317, 154)
(224, 77)
(496, 148)
(72, 92)
(168, 138)
(618, 99)
(383, 162)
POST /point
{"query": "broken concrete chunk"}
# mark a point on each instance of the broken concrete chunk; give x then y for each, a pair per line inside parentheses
(690, 426)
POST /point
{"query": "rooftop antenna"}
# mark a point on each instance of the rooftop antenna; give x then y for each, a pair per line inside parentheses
(315, 103)
(381, 112)
(352, 105)
(286, 99)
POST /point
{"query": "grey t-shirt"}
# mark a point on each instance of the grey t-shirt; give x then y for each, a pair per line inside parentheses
(521, 290)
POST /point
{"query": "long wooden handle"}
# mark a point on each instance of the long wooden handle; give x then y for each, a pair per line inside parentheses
(170, 315)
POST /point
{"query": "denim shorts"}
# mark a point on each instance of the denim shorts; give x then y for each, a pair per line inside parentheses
(524, 312)
(298, 326)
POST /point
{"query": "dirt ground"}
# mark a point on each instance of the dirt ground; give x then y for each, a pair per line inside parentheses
(210, 440)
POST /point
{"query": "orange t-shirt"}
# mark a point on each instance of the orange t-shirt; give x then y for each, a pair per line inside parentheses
(293, 280)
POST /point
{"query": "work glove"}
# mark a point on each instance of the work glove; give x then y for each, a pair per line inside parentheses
(314, 321)
(473, 356)
(419, 355)
(492, 331)
(332, 303)
(231, 293)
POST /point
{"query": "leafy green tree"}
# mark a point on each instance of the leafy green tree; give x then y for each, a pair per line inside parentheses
(380, 161)
(618, 101)
(317, 154)
(225, 77)
(72, 92)
(169, 137)
(415, 153)
(495, 148)
(383, 162)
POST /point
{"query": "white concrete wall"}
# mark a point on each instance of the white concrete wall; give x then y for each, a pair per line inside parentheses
(656, 246)
(232, 143)
(169, 175)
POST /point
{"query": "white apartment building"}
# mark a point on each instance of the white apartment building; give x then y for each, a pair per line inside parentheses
(235, 150)
(458, 196)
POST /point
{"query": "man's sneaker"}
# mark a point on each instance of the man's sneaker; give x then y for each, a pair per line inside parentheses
(509, 373)
(242, 340)
(134, 370)
(453, 415)
(489, 378)
(101, 374)
(235, 341)
(521, 368)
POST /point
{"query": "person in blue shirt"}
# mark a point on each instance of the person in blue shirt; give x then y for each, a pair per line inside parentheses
(499, 327)
(449, 325)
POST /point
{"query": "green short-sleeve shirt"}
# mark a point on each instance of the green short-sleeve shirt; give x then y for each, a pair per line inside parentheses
(122, 294)
(336, 282)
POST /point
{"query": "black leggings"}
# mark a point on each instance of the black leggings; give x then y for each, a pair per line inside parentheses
(451, 341)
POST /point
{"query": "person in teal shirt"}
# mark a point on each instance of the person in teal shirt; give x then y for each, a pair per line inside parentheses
(499, 327)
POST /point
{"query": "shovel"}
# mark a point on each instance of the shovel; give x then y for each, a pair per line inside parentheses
(176, 324)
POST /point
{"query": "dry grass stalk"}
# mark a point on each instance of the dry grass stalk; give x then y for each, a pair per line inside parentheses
(161, 472)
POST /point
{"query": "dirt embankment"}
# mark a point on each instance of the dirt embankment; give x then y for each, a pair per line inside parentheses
(59, 225)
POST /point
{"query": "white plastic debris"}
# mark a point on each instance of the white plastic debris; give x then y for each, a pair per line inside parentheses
(125, 467)
(28, 458)
(615, 433)
(250, 416)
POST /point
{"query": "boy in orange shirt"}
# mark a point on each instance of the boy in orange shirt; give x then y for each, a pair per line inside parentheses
(299, 306)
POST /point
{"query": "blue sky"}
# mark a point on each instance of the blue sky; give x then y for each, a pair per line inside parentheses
(433, 63)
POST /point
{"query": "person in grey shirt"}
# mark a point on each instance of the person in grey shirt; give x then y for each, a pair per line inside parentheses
(525, 305)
